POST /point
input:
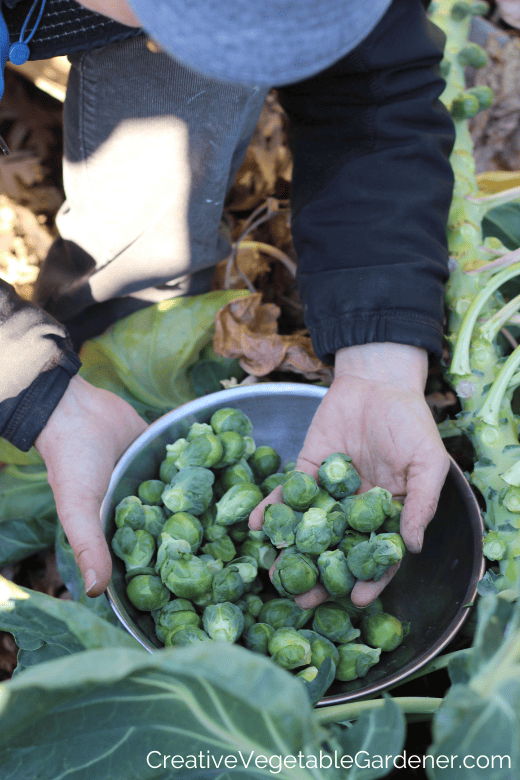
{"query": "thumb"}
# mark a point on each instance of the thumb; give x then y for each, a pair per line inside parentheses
(78, 511)
(422, 497)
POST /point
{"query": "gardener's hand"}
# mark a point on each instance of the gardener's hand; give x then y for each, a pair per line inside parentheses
(375, 412)
(83, 438)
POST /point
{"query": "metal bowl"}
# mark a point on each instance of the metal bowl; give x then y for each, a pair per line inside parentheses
(431, 590)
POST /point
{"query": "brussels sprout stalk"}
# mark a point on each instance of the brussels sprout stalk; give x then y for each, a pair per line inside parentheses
(482, 379)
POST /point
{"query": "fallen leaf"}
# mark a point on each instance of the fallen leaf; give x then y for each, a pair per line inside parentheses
(247, 329)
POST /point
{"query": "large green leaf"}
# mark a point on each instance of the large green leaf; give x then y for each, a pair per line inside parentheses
(150, 351)
(100, 714)
(375, 740)
(46, 628)
(479, 718)
(503, 222)
(27, 512)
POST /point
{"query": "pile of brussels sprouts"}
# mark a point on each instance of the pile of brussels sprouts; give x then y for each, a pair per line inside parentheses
(192, 561)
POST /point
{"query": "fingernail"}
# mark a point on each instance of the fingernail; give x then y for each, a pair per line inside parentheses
(420, 538)
(90, 580)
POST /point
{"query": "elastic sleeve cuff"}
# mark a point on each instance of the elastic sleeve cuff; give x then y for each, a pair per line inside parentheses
(23, 418)
(398, 327)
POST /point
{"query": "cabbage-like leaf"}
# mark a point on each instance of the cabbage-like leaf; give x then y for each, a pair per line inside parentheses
(103, 713)
(45, 627)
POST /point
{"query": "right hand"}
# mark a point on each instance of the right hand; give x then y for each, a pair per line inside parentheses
(80, 444)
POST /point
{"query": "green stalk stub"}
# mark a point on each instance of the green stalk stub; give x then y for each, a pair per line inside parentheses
(490, 411)
(460, 364)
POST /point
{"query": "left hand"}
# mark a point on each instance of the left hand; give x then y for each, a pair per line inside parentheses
(375, 412)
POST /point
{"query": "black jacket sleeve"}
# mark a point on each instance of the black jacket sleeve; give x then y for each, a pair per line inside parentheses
(372, 187)
(38, 363)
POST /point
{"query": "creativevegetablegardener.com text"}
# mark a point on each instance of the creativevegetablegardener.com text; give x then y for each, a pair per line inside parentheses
(362, 760)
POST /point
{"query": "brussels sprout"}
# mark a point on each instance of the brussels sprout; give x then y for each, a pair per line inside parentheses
(396, 538)
(198, 429)
(189, 635)
(238, 503)
(321, 647)
(147, 592)
(236, 474)
(249, 620)
(239, 532)
(289, 466)
(130, 512)
(168, 469)
(262, 551)
(257, 637)
(135, 548)
(223, 622)
(246, 566)
(183, 525)
(369, 560)
(309, 673)
(324, 500)
(228, 419)
(280, 524)
(299, 490)
(338, 522)
(392, 523)
(251, 603)
(223, 549)
(178, 613)
(350, 539)
(332, 621)
(289, 649)
(264, 461)
(271, 482)
(294, 573)
(356, 614)
(154, 518)
(214, 532)
(150, 491)
(314, 532)
(233, 449)
(494, 547)
(174, 450)
(366, 512)
(335, 574)
(338, 476)
(214, 564)
(205, 451)
(228, 585)
(250, 446)
(190, 490)
(383, 630)
(183, 573)
(355, 660)
(281, 613)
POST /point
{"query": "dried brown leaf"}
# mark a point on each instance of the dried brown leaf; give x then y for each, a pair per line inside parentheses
(496, 132)
(247, 329)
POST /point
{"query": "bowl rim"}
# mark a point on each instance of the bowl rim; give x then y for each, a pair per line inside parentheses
(318, 392)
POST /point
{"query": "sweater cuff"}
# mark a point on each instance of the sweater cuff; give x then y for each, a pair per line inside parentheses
(23, 418)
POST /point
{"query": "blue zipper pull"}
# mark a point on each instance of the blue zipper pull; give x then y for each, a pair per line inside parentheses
(4, 53)
(19, 52)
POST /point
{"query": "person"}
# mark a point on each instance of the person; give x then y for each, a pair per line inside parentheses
(153, 139)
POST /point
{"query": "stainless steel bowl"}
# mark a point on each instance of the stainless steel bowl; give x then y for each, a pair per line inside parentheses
(430, 589)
